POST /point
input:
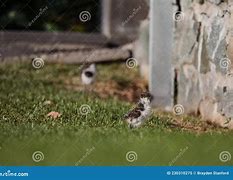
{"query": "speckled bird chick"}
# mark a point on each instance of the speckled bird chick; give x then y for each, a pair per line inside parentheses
(137, 116)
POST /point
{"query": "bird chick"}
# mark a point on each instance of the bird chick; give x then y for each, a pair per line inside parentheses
(137, 116)
(88, 74)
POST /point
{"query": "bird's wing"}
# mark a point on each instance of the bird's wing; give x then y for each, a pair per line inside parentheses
(135, 113)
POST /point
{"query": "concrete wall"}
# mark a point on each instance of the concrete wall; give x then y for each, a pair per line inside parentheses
(121, 18)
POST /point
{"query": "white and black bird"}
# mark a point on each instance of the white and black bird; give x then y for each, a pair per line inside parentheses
(88, 74)
(137, 116)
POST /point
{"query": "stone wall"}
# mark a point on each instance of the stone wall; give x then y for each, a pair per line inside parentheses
(202, 78)
(203, 54)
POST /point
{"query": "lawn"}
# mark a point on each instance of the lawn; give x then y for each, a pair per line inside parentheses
(97, 136)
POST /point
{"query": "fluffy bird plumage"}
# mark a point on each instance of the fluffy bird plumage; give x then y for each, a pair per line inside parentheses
(88, 74)
(137, 116)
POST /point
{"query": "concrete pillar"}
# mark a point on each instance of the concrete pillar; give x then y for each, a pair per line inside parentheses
(160, 55)
(106, 17)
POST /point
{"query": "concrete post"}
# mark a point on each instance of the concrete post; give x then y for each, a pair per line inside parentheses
(106, 17)
(160, 55)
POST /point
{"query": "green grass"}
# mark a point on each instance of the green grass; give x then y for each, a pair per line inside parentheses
(98, 138)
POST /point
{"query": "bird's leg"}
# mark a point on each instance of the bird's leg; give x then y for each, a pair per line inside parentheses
(131, 126)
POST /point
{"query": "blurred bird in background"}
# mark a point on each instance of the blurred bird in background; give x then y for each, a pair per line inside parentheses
(88, 73)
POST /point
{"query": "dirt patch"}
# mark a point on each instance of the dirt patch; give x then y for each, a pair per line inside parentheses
(112, 89)
(188, 123)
